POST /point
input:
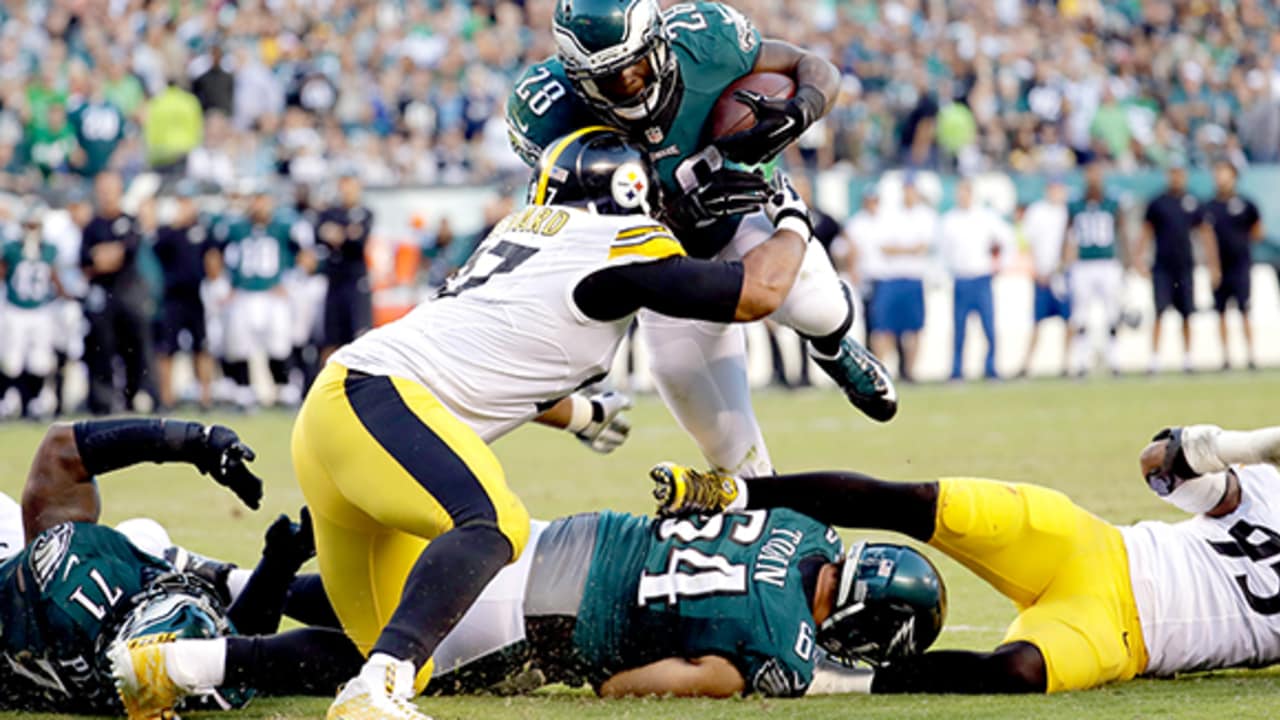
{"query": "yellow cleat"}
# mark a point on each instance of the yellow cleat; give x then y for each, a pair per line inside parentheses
(682, 490)
(142, 680)
(360, 700)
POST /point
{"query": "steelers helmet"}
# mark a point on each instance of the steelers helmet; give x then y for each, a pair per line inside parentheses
(597, 169)
(890, 603)
(597, 39)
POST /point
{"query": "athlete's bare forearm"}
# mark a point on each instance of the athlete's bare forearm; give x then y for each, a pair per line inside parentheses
(809, 71)
(708, 676)
(58, 488)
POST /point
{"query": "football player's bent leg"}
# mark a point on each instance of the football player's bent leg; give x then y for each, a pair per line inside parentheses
(817, 306)
(1086, 622)
(385, 468)
(1014, 536)
(700, 369)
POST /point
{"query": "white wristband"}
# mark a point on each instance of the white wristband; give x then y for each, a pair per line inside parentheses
(580, 418)
(795, 225)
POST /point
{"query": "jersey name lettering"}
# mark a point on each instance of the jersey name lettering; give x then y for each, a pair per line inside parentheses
(775, 556)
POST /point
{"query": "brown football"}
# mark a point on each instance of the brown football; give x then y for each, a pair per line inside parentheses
(730, 116)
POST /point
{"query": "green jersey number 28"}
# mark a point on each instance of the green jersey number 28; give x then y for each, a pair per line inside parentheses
(539, 99)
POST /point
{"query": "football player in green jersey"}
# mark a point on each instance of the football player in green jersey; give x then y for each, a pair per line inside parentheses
(657, 75)
(1094, 268)
(703, 606)
(28, 322)
(257, 251)
(64, 596)
(754, 602)
(81, 601)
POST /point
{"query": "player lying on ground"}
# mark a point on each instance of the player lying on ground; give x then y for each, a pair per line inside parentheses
(657, 75)
(712, 606)
(1096, 603)
(412, 512)
(77, 588)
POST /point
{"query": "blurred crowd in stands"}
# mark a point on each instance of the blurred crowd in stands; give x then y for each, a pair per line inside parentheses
(411, 92)
(281, 111)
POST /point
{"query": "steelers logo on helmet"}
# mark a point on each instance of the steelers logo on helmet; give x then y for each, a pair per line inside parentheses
(630, 186)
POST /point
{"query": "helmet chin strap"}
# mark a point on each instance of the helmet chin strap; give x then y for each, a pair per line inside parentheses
(1199, 495)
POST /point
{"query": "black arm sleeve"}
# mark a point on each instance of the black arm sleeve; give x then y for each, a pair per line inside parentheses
(850, 500)
(677, 286)
(107, 445)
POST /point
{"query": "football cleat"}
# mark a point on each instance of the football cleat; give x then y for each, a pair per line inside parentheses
(682, 490)
(365, 698)
(863, 378)
(142, 679)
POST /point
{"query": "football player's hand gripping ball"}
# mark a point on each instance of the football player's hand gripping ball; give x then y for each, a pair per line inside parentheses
(778, 123)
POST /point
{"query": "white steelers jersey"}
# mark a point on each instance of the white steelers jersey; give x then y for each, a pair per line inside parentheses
(504, 338)
(1208, 589)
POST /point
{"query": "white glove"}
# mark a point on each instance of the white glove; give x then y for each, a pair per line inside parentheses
(598, 421)
(1209, 448)
(1200, 448)
(785, 208)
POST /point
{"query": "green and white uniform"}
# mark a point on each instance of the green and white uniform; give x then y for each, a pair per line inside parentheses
(59, 600)
(714, 45)
(699, 368)
(1097, 276)
(258, 314)
(99, 128)
(606, 592)
(28, 323)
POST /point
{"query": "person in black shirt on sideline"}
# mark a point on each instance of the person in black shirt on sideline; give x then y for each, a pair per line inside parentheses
(343, 230)
(1233, 224)
(1170, 219)
(119, 305)
(181, 246)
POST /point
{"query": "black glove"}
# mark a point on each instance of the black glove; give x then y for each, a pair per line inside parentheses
(1175, 469)
(710, 191)
(290, 542)
(778, 123)
(222, 456)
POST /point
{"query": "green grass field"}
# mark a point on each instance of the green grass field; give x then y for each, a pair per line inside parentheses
(1082, 438)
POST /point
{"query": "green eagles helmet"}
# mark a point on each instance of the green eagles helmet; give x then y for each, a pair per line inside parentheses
(182, 606)
(890, 603)
(598, 169)
(598, 39)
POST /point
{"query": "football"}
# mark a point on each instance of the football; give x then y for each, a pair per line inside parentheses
(730, 116)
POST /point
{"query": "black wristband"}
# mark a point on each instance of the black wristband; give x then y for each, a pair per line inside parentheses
(106, 445)
(811, 102)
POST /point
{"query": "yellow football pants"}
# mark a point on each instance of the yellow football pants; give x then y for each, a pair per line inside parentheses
(1066, 570)
(385, 468)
